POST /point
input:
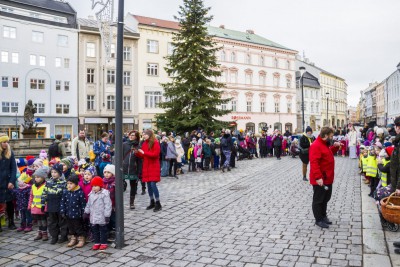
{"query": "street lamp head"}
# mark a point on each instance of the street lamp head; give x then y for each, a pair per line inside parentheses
(302, 70)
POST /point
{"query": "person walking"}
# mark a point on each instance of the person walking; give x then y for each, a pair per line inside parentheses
(132, 165)
(305, 142)
(322, 174)
(80, 146)
(8, 177)
(150, 153)
(226, 146)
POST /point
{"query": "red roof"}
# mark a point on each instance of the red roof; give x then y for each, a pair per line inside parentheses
(157, 22)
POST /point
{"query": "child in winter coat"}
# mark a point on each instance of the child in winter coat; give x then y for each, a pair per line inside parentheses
(207, 154)
(191, 158)
(284, 145)
(99, 209)
(66, 163)
(51, 198)
(198, 154)
(22, 195)
(217, 153)
(372, 171)
(35, 203)
(364, 165)
(72, 208)
(84, 183)
(109, 184)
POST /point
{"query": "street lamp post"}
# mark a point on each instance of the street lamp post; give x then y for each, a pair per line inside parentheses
(327, 107)
(302, 71)
(336, 103)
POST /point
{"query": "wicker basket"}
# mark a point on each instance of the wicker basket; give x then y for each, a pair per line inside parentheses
(391, 208)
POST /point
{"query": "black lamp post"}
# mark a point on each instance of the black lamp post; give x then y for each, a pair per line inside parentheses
(327, 107)
(302, 71)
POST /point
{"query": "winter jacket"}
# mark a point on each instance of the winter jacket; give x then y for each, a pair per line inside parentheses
(8, 174)
(109, 184)
(305, 143)
(99, 148)
(99, 206)
(132, 165)
(384, 168)
(164, 148)
(352, 136)
(80, 148)
(269, 141)
(22, 196)
(171, 151)
(73, 203)
(229, 142)
(277, 140)
(52, 194)
(35, 203)
(198, 151)
(322, 162)
(179, 150)
(206, 151)
(86, 188)
(151, 163)
(61, 148)
(190, 154)
(250, 143)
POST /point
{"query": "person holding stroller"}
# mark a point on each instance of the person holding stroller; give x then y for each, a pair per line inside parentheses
(305, 142)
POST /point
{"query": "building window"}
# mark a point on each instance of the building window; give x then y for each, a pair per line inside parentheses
(277, 107)
(262, 62)
(111, 76)
(9, 32)
(248, 59)
(58, 108)
(66, 86)
(112, 51)
(42, 84)
(152, 99)
(127, 103)
(37, 37)
(4, 56)
(276, 63)
(58, 85)
(233, 57)
(288, 82)
(66, 109)
(15, 58)
(9, 107)
(276, 80)
(317, 107)
(288, 65)
(223, 106)
(127, 78)
(262, 79)
(90, 102)
(223, 56)
(224, 76)
(234, 77)
(152, 69)
(38, 84)
(64, 130)
(15, 82)
(110, 102)
(90, 50)
(40, 108)
(58, 62)
(4, 81)
(127, 53)
(62, 40)
(34, 83)
(249, 78)
(152, 46)
(312, 107)
(32, 60)
(248, 105)
(262, 106)
(233, 103)
(66, 63)
(90, 76)
(42, 61)
(170, 48)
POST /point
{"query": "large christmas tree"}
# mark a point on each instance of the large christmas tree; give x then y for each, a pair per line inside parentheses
(192, 97)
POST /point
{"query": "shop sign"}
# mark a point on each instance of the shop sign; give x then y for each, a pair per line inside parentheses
(241, 117)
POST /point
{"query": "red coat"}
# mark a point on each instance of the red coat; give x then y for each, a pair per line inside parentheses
(151, 162)
(322, 162)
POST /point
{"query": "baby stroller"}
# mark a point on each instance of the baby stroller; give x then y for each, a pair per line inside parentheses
(379, 194)
(243, 153)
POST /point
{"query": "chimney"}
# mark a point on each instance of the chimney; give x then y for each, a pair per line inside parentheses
(222, 26)
(250, 31)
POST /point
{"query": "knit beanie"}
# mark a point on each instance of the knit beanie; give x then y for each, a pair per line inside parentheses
(81, 162)
(58, 168)
(97, 181)
(29, 157)
(43, 154)
(91, 169)
(73, 178)
(389, 150)
(308, 129)
(30, 162)
(21, 162)
(38, 162)
(41, 172)
(109, 168)
(66, 162)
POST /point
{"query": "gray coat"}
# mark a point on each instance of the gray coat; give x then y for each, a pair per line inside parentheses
(99, 206)
(171, 151)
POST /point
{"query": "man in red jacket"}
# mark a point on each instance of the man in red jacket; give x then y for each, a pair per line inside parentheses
(322, 173)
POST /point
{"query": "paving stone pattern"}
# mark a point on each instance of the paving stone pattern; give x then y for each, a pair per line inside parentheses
(259, 214)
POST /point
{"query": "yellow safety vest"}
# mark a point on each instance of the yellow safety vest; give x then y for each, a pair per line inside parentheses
(384, 174)
(364, 162)
(37, 196)
(372, 169)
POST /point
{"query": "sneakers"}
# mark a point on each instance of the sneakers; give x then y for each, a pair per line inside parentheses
(96, 247)
(322, 224)
(21, 228)
(28, 228)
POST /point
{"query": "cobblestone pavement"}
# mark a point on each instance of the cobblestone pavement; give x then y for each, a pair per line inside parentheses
(259, 214)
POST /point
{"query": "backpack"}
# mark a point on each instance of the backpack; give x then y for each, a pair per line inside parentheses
(53, 150)
(224, 142)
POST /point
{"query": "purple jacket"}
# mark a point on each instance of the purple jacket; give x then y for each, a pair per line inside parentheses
(269, 141)
(22, 196)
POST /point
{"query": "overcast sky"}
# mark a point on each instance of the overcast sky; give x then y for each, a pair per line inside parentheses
(358, 40)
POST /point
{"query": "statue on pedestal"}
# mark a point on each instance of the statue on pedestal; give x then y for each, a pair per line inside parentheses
(29, 124)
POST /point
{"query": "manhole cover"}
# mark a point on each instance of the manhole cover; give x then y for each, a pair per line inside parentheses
(239, 187)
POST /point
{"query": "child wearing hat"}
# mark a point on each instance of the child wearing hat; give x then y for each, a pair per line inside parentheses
(99, 209)
(109, 184)
(35, 203)
(85, 185)
(66, 163)
(51, 198)
(72, 208)
(22, 194)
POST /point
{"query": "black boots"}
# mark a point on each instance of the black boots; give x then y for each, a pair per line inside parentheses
(305, 179)
(152, 205)
(322, 224)
(158, 206)
(132, 202)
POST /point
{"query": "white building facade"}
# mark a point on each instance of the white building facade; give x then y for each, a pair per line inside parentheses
(392, 89)
(38, 62)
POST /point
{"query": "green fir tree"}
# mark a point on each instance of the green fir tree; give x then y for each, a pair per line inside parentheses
(192, 97)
